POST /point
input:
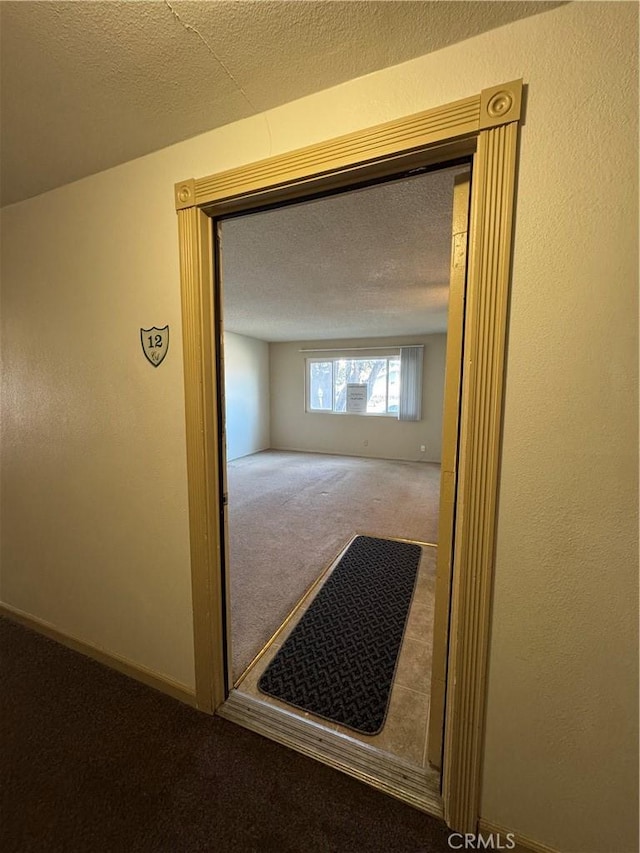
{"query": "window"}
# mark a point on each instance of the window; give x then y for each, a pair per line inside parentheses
(328, 382)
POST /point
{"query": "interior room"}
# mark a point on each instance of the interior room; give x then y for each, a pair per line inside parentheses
(317, 297)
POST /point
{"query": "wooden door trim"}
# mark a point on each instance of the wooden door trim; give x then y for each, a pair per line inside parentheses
(202, 438)
(486, 124)
(448, 465)
(487, 296)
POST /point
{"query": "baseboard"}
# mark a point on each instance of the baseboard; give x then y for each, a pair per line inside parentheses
(113, 661)
(348, 455)
(523, 844)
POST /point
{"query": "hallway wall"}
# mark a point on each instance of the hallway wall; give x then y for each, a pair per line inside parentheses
(94, 500)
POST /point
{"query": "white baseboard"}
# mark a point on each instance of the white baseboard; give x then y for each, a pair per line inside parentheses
(127, 667)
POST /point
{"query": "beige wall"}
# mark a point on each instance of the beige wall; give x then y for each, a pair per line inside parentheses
(292, 428)
(94, 485)
(246, 375)
(94, 494)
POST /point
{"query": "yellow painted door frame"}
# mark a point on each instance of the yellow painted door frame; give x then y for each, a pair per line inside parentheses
(484, 126)
(448, 465)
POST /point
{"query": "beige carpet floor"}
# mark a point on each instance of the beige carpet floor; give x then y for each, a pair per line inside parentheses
(290, 514)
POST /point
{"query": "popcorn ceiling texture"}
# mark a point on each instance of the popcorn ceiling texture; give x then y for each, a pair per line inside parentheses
(370, 263)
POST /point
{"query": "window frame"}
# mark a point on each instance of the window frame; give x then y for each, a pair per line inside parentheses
(333, 357)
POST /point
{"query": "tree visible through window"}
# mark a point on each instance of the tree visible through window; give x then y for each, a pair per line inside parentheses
(328, 380)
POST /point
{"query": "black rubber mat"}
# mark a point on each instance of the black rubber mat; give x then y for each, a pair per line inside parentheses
(340, 659)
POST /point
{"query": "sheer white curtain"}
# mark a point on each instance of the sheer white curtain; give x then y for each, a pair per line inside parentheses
(410, 408)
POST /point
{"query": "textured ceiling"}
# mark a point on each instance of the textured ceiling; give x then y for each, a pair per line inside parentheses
(88, 85)
(369, 263)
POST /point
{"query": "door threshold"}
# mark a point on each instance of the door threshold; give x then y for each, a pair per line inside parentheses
(419, 787)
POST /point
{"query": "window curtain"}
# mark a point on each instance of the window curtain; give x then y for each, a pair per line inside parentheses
(410, 408)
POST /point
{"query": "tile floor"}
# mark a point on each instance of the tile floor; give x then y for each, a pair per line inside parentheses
(405, 730)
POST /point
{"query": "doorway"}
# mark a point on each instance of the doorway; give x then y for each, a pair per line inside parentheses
(485, 127)
(318, 295)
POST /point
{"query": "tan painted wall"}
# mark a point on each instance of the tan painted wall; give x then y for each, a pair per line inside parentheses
(246, 379)
(94, 494)
(292, 428)
(94, 497)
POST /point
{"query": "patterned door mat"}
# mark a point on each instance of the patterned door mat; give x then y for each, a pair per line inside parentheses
(340, 659)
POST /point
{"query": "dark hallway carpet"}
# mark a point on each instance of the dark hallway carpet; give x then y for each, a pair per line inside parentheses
(93, 761)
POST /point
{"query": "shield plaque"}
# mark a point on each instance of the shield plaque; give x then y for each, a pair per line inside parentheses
(155, 343)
